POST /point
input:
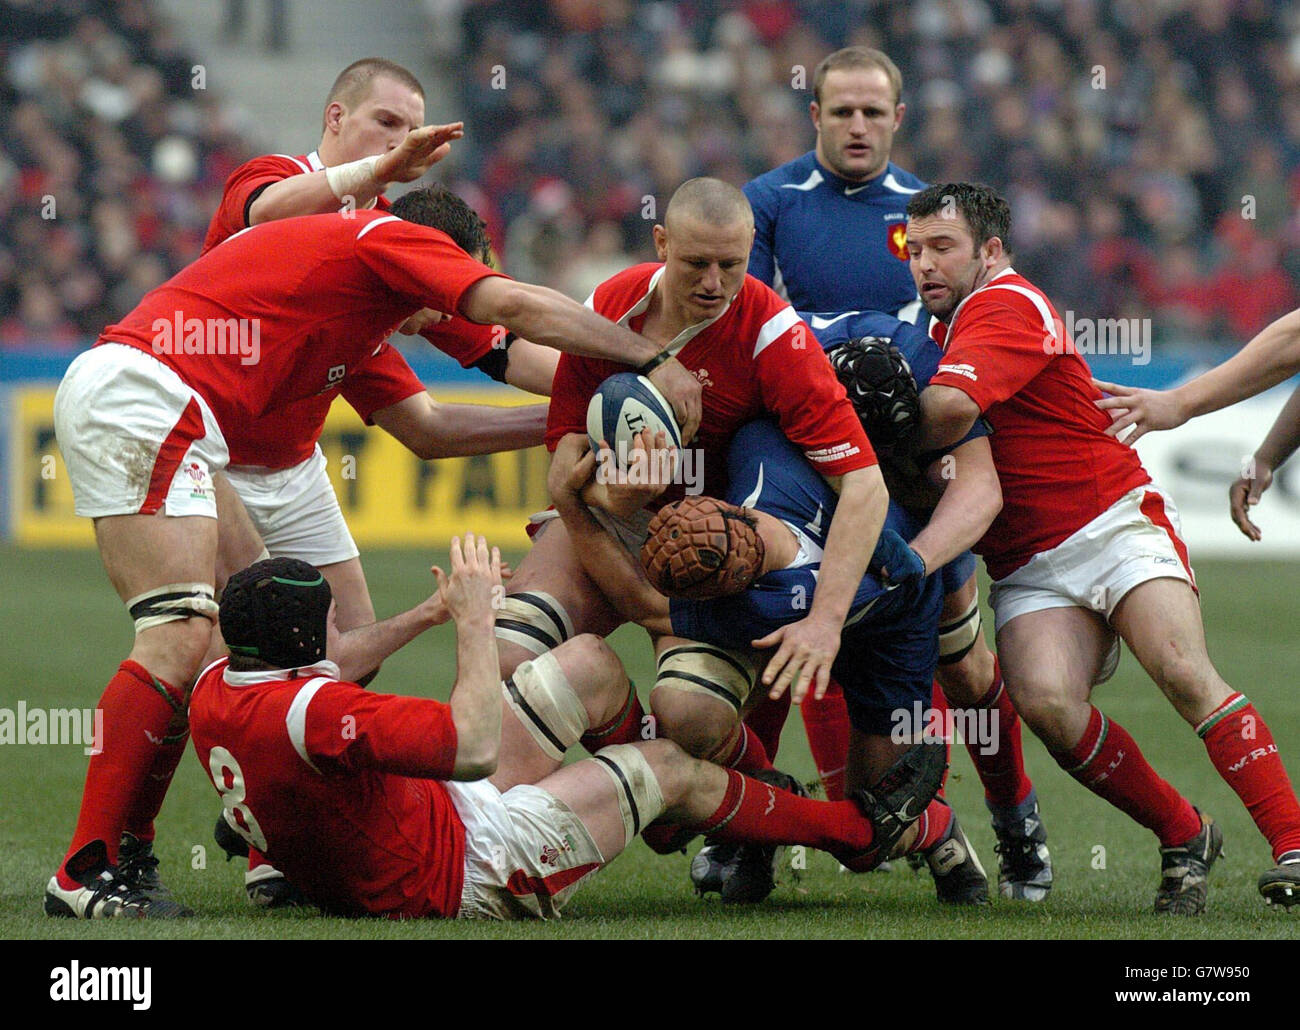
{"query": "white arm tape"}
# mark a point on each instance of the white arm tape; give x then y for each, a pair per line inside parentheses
(356, 179)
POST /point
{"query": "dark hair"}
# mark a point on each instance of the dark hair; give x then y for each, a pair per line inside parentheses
(857, 57)
(438, 208)
(353, 83)
(274, 615)
(986, 213)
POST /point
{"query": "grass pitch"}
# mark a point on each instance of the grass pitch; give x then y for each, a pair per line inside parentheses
(64, 633)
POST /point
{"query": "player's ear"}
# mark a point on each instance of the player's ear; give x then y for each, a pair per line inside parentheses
(334, 113)
(815, 112)
(899, 110)
(660, 234)
(991, 252)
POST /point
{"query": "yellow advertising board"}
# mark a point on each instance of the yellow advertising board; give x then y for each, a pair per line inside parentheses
(389, 496)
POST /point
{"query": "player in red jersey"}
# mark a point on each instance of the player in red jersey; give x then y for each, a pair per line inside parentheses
(382, 805)
(373, 135)
(1085, 549)
(268, 319)
(754, 356)
(279, 474)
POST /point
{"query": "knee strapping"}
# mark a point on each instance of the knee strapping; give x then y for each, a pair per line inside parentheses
(540, 696)
(640, 799)
(172, 603)
(957, 637)
(708, 670)
(535, 621)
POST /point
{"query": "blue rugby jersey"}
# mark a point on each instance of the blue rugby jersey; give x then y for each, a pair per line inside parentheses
(829, 244)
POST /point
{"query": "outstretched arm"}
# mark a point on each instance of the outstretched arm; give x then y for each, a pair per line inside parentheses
(1268, 359)
(431, 429)
(313, 193)
(807, 648)
(971, 500)
(548, 317)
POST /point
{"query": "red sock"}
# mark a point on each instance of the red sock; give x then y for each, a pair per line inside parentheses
(137, 708)
(149, 799)
(747, 754)
(931, 827)
(1242, 749)
(1109, 763)
(767, 720)
(624, 728)
(940, 705)
(1003, 771)
(827, 724)
(758, 813)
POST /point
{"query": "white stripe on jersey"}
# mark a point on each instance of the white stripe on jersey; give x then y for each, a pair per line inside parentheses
(378, 221)
(305, 167)
(1039, 303)
(813, 180)
(890, 183)
(779, 323)
(295, 720)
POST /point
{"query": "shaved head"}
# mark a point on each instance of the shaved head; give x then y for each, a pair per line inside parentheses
(710, 201)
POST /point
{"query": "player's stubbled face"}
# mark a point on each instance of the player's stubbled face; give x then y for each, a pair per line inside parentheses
(381, 121)
(856, 121)
(704, 265)
(946, 266)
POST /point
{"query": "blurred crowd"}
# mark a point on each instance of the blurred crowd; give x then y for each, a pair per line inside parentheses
(112, 159)
(1150, 148)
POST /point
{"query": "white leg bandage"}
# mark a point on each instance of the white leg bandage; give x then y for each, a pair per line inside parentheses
(535, 621)
(172, 603)
(712, 671)
(957, 637)
(540, 696)
(639, 797)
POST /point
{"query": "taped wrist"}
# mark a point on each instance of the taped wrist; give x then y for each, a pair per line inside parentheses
(356, 179)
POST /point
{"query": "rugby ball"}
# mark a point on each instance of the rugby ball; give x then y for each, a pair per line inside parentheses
(622, 406)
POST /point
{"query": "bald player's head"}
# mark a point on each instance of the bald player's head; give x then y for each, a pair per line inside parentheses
(704, 244)
(711, 201)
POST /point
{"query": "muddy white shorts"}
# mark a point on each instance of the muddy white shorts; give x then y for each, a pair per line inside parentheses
(526, 852)
(135, 438)
(1136, 539)
(296, 511)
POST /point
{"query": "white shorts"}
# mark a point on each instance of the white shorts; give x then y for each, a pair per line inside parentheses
(135, 438)
(526, 852)
(296, 511)
(1136, 539)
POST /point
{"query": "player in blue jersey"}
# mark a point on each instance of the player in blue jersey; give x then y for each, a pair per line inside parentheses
(830, 233)
(890, 641)
(830, 227)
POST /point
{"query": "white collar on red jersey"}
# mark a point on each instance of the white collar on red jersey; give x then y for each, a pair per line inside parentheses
(314, 160)
(1050, 326)
(686, 335)
(248, 679)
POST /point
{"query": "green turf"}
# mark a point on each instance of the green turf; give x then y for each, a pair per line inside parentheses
(64, 633)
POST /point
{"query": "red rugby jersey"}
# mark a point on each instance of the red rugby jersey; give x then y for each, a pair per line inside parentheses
(756, 358)
(1006, 349)
(319, 294)
(286, 437)
(337, 786)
